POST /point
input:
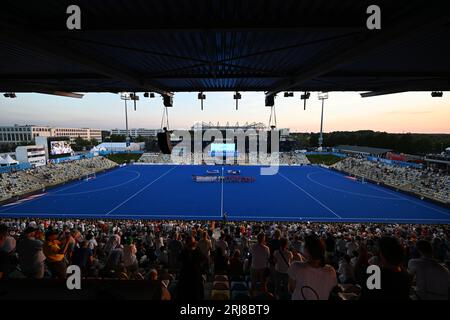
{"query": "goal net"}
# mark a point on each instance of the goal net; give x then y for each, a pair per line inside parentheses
(89, 176)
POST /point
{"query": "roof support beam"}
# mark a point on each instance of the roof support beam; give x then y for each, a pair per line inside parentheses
(58, 49)
(379, 93)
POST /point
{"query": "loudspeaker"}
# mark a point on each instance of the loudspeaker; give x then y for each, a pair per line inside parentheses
(270, 101)
(164, 142)
(168, 101)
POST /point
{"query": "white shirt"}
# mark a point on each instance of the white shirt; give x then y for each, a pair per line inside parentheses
(260, 256)
(281, 265)
(9, 245)
(92, 244)
(129, 255)
(432, 279)
(321, 280)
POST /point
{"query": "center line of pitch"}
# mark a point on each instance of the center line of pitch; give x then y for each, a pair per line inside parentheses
(221, 197)
(142, 189)
(308, 194)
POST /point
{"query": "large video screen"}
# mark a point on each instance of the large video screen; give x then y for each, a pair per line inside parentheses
(58, 148)
(223, 148)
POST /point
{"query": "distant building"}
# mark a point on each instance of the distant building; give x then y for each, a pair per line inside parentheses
(136, 132)
(34, 155)
(27, 133)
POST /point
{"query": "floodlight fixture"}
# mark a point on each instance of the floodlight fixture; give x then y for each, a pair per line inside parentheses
(270, 100)
(322, 95)
(437, 94)
(237, 96)
(9, 95)
(167, 100)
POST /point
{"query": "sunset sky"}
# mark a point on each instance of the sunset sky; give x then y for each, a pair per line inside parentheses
(404, 112)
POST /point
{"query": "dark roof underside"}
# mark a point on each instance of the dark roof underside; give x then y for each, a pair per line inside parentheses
(224, 45)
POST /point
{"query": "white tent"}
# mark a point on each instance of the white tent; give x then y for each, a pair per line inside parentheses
(10, 161)
(117, 147)
(3, 162)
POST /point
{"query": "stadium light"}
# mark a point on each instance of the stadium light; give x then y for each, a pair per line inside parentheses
(270, 100)
(305, 97)
(126, 96)
(201, 96)
(149, 95)
(322, 96)
(437, 94)
(134, 97)
(237, 96)
(9, 95)
(167, 101)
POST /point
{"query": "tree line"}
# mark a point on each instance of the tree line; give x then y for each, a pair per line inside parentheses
(411, 143)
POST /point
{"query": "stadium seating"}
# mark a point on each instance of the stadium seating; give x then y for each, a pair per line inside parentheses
(283, 158)
(22, 182)
(18, 183)
(428, 183)
(153, 238)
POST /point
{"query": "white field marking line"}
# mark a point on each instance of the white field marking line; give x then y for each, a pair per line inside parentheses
(29, 198)
(311, 196)
(221, 197)
(101, 215)
(100, 189)
(139, 191)
(21, 202)
(47, 194)
(413, 201)
(325, 218)
(77, 184)
(308, 176)
(240, 217)
(398, 195)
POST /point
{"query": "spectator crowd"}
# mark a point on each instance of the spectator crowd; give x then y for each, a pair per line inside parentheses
(426, 182)
(283, 158)
(18, 183)
(236, 260)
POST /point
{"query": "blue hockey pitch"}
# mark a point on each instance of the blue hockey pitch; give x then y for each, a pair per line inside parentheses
(305, 193)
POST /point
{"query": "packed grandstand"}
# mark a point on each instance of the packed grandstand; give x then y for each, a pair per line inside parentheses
(18, 183)
(426, 182)
(283, 158)
(233, 260)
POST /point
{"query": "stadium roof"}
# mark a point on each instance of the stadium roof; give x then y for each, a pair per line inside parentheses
(362, 150)
(210, 125)
(224, 45)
